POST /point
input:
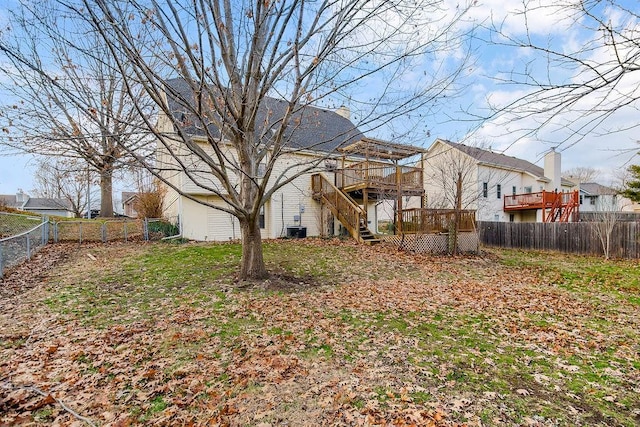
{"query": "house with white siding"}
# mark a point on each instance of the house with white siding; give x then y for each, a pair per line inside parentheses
(340, 156)
(39, 205)
(496, 186)
(596, 197)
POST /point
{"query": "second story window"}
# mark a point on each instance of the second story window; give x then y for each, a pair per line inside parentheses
(485, 189)
(499, 191)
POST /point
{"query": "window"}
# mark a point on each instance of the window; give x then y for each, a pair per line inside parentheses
(513, 190)
(581, 198)
(512, 217)
(527, 190)
(485, 189)
(499, 191)
(592, 201)
(261, 217)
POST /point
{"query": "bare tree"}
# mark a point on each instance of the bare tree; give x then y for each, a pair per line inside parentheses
(456, 179)
(63, 179)
(575, 87)
(607, 215)
(581, 174)
(66, 97)
(223, 60)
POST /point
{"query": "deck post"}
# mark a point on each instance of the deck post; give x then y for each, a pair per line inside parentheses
(399, 196)
(365, 202)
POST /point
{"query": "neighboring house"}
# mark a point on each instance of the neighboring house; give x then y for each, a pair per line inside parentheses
(498, 187)
(298, 208)
(595, 197)
(43, 206)
(129, 200)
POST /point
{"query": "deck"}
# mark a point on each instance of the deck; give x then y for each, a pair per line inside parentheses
(540, 200)
(556, 207)
(381, 178)
(426, 221)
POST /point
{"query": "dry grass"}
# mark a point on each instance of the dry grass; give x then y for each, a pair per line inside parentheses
(341, 335)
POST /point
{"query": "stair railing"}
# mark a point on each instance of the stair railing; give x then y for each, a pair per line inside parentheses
(341, 205)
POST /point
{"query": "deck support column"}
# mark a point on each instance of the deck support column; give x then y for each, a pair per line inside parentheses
(399, 196)
(365, 202)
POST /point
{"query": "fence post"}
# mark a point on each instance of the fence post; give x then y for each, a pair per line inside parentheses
(146, 229)
(55, 232)
(28, 247)
(103, 230)
(80, 232)
(124, 226)
(1, 263)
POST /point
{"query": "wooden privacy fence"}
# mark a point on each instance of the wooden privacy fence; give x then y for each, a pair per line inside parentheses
(569, 237)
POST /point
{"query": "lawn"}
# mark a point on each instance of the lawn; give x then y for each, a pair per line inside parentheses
(341, 334)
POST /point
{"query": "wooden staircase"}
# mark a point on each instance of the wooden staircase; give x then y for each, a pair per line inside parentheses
(562, 207)
(366, 236)
(344, 208)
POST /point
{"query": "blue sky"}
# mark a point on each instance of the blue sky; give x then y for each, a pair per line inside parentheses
(602, 149)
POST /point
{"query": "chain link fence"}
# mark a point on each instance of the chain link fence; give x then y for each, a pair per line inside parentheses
(146, 229)
(20, 247)
(22, 235)
(12, 224)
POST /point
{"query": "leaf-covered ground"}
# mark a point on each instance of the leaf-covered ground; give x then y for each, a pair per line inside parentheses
(340, 335)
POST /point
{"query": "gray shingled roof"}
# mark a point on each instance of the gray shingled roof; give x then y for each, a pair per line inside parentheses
(311, 127)
(37, 203)
(497, 159)
(595, 189)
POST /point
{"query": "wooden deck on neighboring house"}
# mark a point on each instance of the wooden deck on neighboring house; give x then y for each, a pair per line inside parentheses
(556, 207)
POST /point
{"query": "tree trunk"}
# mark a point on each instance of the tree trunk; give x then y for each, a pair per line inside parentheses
(252, 265)
(106, 193)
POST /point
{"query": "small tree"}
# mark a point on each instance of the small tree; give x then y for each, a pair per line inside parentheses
(606, 218)
(63, 179)
(631, 185)
(453, 177)
(149, 202)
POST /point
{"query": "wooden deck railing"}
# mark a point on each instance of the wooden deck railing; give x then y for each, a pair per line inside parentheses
(423, 221)
(555, 206)
(379, 175)
(542, 199)
(342, 206)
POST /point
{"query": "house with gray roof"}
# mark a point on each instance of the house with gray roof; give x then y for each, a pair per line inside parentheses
(40, 205)
(596, 197)
(487, 181)
(314, 136)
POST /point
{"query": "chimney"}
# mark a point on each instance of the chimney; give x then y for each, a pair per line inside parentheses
(552, 170)
(21, 197)
(344, 112)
